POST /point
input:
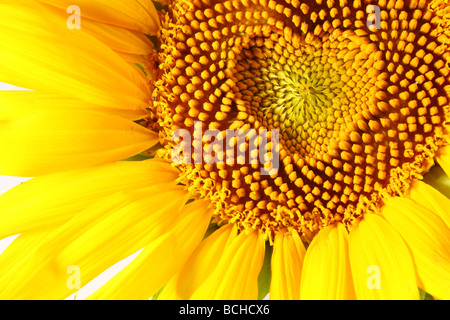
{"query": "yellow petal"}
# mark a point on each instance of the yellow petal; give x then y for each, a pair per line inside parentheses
(326, 270)
(200, 264)
(96, 238)
(22, 276)
(39, 52)
(426, 196)
(61, 140)
(160, 259)
(428, 238)
(443, 159)
(382, 267)
(236, 275)
(145, 62)
(20, 249)
(49, 201)
(119, 39)
(139, 15)
(287, 263)
(20, 104)
(122, 231)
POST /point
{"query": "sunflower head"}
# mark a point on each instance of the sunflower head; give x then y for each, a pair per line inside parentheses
(359, 110)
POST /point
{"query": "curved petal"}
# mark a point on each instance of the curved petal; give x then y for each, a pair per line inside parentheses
(61, 140)
(425, 195)
(200, 264)
(23, 276)
(39, 52)
(287, 263)
(133, 46)
(99, 236)
(326, 270)
(428, 238)
(161, 258)
(139, 15)
(236, 275)
(49, 201)
(443, 159)
(119, 39)
(21, 104)
(382, 267)
(20, 249)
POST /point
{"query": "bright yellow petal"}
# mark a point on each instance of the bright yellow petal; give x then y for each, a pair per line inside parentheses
(426, 196)
(139, 15)
(200, 264)
(39, 52)
(61, 140)
(20, 104)
(236, 275)
(123, 231)
(326, 273)
(287, 263)
(428, 238)
(146, 62)
(119, 39)
(96, 238)
(382, 267)
(22, 276)
(443, 159)
(161, 258)
(49, 201)
(20, 249)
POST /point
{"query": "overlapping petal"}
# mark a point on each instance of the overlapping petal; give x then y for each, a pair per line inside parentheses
(138, 15)
(48, 201)
(60, 140)
(236, 275)
(200, 264)
(160, 259)
(104, 233)
(382, 267)
(428, 239)
(326, 270)
(19, 104)
(427, 196)
(39, 52)
(287, 263)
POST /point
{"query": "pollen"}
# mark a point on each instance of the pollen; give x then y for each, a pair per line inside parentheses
(359, 110)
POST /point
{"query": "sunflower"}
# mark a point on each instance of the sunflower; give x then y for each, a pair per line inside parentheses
(353, 97)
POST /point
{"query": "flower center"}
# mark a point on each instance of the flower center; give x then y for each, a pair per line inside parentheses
(360, 111)
(311, 95)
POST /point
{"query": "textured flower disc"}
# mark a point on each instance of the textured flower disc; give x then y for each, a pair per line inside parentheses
(360, 110)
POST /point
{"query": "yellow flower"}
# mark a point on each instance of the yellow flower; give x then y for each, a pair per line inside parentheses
(339, 199)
